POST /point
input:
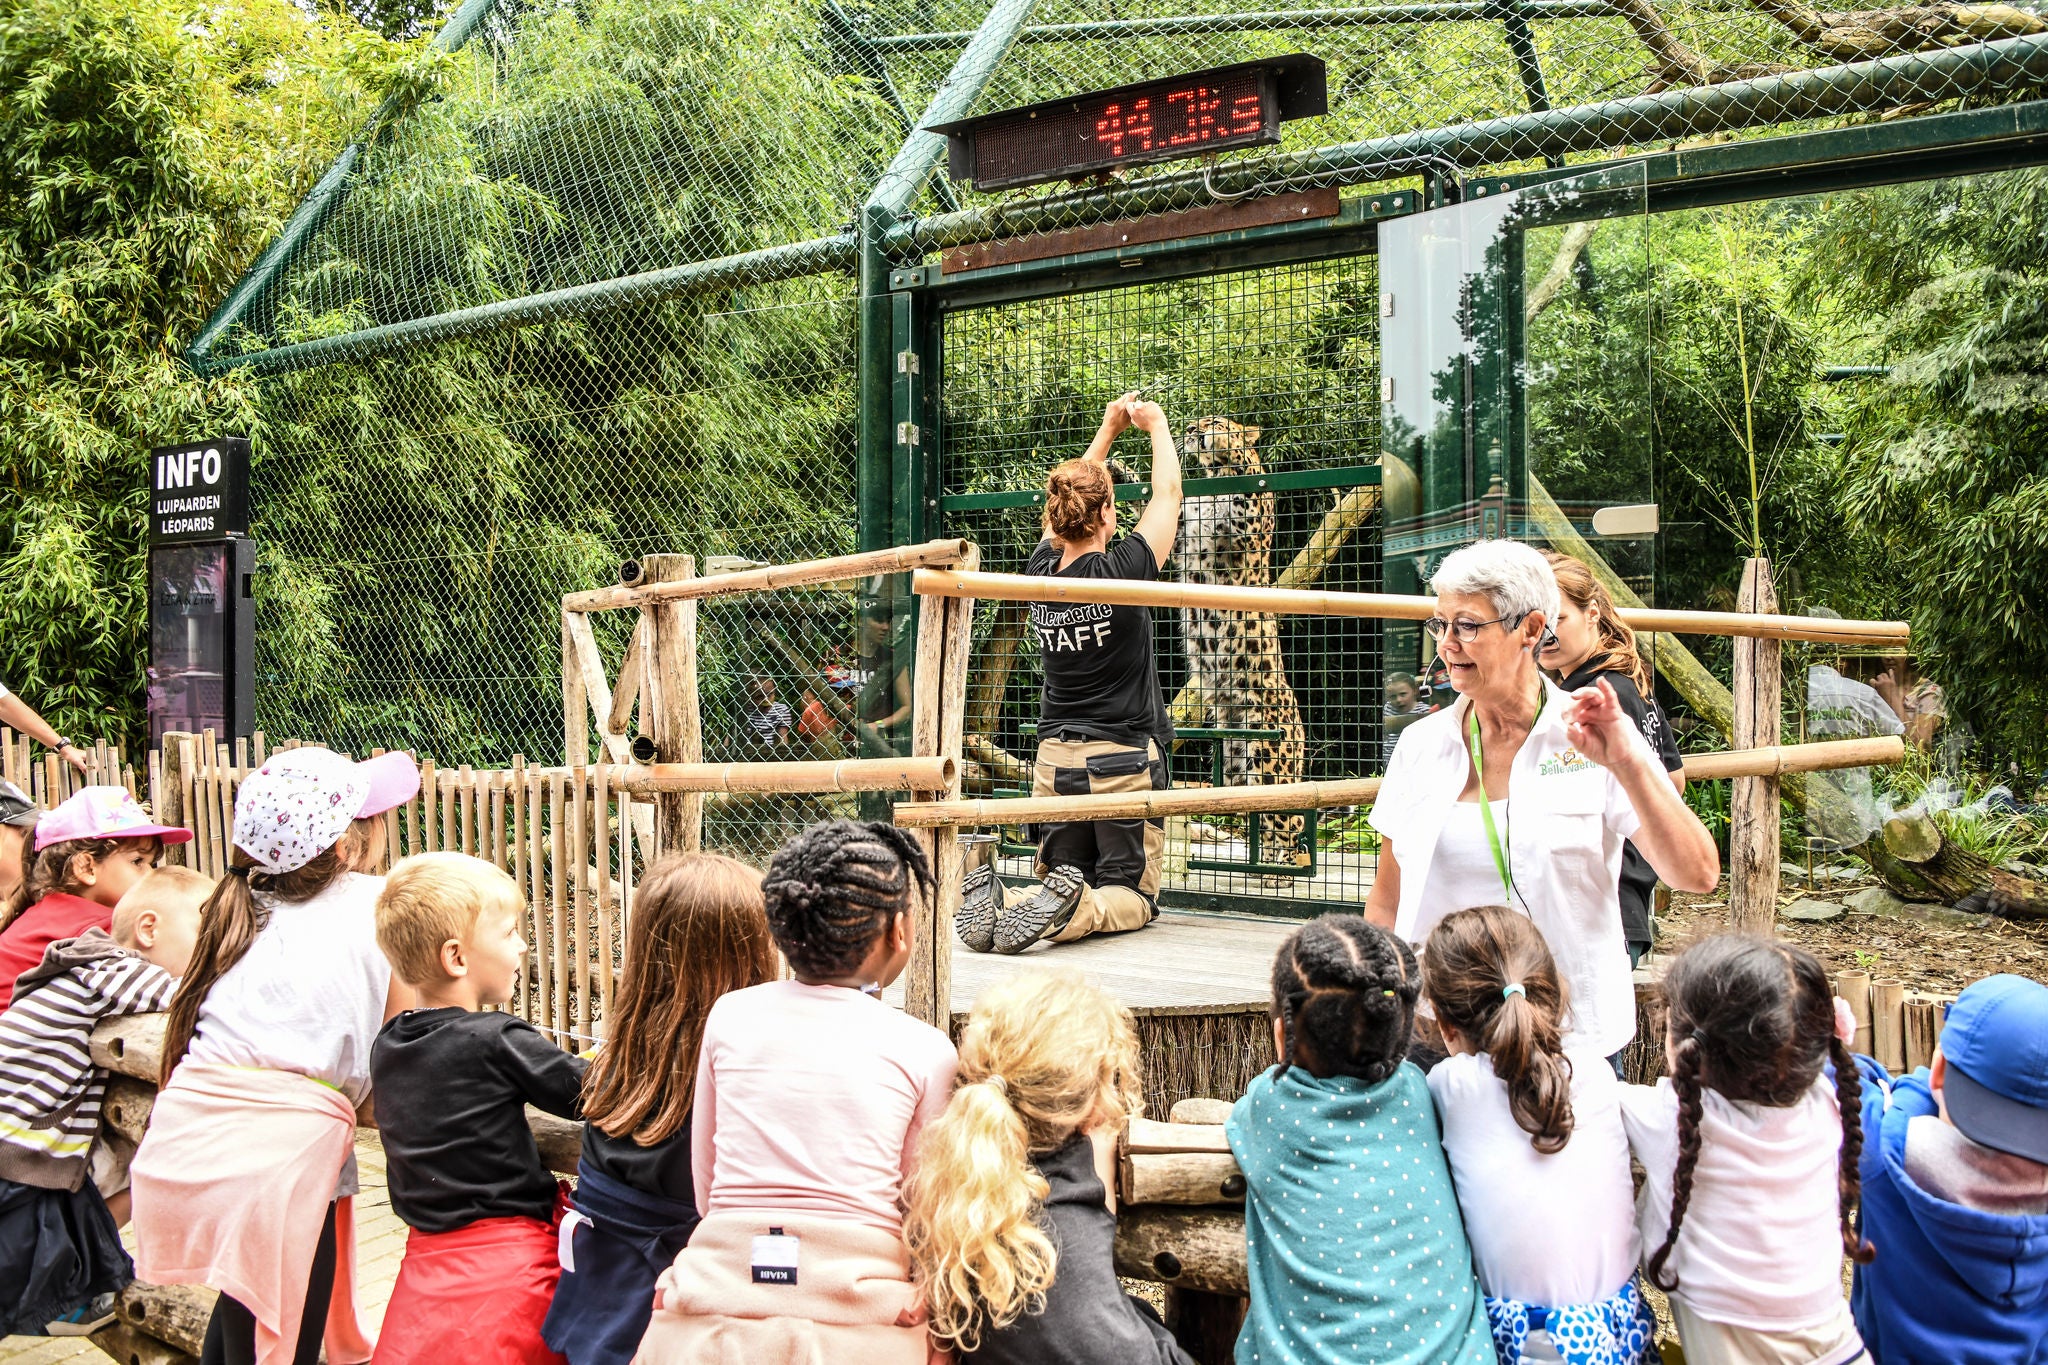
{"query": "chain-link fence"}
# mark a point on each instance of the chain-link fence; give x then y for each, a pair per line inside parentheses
(591, 287)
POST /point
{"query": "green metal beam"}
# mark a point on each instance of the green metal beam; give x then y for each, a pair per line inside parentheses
(1257, 21)
(861, 57)
(1853, 87)
(321, 202)
(816, 257)
(1290, 480)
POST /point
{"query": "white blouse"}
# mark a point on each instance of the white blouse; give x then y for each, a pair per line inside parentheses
(1564, 854)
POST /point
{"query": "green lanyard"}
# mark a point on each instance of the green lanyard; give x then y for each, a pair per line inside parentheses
(1500, 857)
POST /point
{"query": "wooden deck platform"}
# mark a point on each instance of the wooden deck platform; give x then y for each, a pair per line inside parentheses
(1181, 963)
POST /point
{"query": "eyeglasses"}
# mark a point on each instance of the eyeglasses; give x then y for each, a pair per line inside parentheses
(1467, 631)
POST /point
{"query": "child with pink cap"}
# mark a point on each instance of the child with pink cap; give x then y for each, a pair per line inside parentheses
(85, 855)
(269, 1041)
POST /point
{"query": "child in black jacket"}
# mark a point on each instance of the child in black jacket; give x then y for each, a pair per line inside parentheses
(1007, 1220)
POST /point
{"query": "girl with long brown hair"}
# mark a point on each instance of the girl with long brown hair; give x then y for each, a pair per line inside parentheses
(698, 932)
(242, 1181)
(1749, 1151)
(1589, 642)
(1536, 1145)
(1006, 1217)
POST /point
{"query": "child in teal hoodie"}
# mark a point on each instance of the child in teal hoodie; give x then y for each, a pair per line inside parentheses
(1955, 1190)
(1354, 1245)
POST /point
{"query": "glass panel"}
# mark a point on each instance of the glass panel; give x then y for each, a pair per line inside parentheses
(1490, 422)
(188, 639)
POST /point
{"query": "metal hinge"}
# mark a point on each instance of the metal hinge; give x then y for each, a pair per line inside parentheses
(1386, 388)
(907, 362)
(906, 433)
(1387, 304)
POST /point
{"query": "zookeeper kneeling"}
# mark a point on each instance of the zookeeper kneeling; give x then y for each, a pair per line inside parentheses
(1102, 724)
(1522, 795)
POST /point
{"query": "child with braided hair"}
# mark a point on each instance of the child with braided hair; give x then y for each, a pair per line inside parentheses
(1537, 1149)
(1750, 1149)
(1354, 1246)
(810, 1098)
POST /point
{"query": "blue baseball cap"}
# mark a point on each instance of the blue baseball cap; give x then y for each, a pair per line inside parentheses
(1996, 1044)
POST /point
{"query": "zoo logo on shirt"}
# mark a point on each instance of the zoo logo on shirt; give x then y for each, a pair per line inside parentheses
(1071, 628)
(1563, 761)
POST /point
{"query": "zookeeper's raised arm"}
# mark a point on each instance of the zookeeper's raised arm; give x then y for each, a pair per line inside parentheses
(1102, 720)
(1523, 795)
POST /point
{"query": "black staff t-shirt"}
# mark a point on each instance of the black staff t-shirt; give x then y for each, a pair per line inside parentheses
(1638, 880)
(1101, 676)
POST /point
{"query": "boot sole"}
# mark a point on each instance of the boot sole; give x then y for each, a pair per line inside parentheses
(1023, 925)
(976, 921)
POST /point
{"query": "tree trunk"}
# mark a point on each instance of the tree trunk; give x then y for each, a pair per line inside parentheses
(1753, 824)
(176, 1314)
(1187, 1248)
(1919, 863)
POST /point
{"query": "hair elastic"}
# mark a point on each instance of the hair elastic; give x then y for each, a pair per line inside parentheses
(238, 870)
(1513, 988)
(995, 1079)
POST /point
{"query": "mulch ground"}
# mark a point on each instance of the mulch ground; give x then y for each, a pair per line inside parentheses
(1926, 955)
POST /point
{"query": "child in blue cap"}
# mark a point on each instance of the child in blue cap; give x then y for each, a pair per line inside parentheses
(1955, 1189)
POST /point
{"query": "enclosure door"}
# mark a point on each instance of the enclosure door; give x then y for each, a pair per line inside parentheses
(1497, 421)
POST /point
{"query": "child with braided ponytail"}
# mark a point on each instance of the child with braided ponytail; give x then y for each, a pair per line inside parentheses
(1536, 1147)
(1750, 1152)
(810, 1098)
(1354, 1246)
(1008, 1220)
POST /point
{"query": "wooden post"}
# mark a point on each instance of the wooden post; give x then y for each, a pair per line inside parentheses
(1854, 987)
(1888, 1024)
(575, 698)
(937, 726)
(1920, 1014)
(1753, 812)
(668, 701)
(172, 800)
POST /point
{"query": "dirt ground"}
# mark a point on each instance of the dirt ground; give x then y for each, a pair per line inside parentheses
(1940, 955)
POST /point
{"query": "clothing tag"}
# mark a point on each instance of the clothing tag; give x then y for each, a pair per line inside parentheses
(1564, 761)
(775, 1258)
(565, 1239)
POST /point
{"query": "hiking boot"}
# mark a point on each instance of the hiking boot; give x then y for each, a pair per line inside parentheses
(1048, 910)
(980, 900)
(83, 1320)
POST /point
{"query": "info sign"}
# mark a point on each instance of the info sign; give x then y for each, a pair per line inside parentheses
(199, 491)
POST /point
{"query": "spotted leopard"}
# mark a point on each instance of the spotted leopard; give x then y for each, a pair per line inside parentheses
(1235, 666)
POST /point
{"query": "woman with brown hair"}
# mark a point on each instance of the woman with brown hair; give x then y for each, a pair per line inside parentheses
(698, 933)
(1103, 725)
(1590, 641)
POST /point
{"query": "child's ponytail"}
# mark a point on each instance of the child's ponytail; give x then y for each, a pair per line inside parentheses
(1685, 1082)
(1044, 1056)
(1849, 1183)
(972, 1227)
(1491, 978)
(230, 920)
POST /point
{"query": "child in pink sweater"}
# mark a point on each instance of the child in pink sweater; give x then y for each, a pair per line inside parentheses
(810, 1097)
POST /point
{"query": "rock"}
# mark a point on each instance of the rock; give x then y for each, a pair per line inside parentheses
(1877, 900)
(1812, 910)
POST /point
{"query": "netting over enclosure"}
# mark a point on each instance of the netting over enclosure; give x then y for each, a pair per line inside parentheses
(610, 278)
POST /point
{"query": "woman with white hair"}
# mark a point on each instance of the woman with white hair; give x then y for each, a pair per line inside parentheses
(1522, 795)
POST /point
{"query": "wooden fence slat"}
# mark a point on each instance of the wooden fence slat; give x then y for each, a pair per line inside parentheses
(558, 883)
(578, 937)
(1887, 1024)
(607, 918)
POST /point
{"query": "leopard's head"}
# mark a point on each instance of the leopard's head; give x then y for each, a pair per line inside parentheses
(1220, 447)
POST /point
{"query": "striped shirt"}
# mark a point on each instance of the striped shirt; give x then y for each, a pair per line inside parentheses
(50, 1091)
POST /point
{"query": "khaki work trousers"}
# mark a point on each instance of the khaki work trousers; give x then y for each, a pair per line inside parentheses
(1119, 859)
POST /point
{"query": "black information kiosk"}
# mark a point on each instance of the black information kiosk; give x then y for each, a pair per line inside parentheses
(202, 638)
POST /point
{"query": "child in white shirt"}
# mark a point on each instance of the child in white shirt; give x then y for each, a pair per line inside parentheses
(1750, 1152)
(1536, 1147)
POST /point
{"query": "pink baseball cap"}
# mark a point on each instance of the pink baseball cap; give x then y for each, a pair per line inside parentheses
(102, 813)
(297, 805)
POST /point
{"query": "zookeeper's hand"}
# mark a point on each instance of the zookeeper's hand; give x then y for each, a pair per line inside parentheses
(1147, 416)
(73, 755)
(1600, 729)
(1116, 418)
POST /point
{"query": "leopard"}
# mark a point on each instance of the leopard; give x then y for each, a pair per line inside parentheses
(1236, 669)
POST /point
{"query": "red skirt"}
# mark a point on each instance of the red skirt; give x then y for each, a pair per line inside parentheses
(479, 1293)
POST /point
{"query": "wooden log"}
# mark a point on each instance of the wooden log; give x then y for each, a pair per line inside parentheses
(575, 697)
(1180, 1178)
(560, 1140)
(1754, 836)
(838, 569)
(581, 644)
(175, 1314)
(669, 697)
(1376, 606)
(131, 1045)
(174, 804)
(938, 710)
(126, 1106)
(580, 917)
(1888, 1024)
(1149, 1135)
(1920, 1014)
(131, 1347)
(1854, 987)
(1784, 758)
(1205, 1325)
(608, 942)
(906, 774)
(1199, 1249)
(1919, 862)
(558, 902)
(1201, 1110)
(619, 719)
(1912, 837)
